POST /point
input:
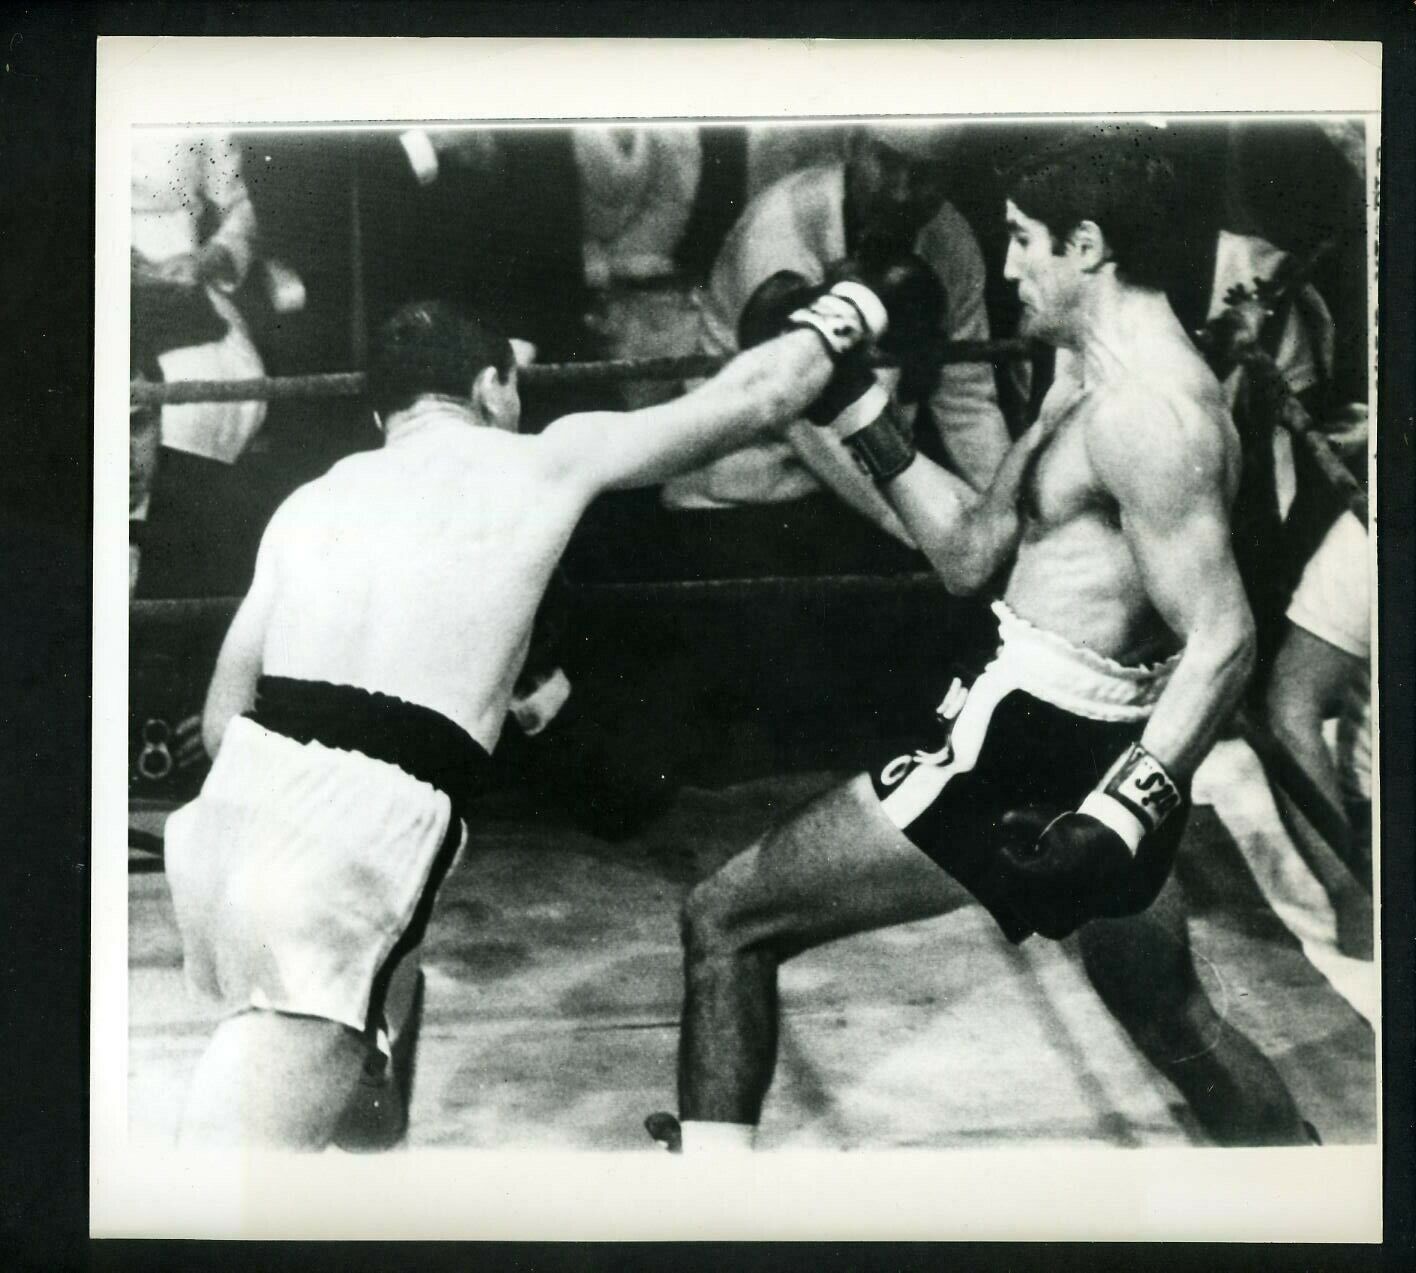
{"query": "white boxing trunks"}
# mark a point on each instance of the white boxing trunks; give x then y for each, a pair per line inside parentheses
(1035, 731)
(307, 867)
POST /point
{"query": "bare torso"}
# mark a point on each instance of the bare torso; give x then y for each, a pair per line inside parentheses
(416, 570)
(1074, 573)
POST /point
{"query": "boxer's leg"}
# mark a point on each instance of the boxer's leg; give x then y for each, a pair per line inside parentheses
(1143, 970)
(376, 1117)
(837, 867)
(272, 1080)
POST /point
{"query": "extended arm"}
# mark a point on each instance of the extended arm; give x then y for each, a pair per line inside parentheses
(829, 463)
(760, 389)
(1166, 466)
(226, 256)
(967, 535)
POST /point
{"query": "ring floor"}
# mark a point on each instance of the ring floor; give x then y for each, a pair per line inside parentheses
(553, 988)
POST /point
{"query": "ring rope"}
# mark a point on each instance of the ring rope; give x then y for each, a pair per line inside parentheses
(350, 384)
(154, 612)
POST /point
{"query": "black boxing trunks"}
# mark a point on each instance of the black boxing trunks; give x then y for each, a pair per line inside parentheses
(309, 864)
(1035, 731)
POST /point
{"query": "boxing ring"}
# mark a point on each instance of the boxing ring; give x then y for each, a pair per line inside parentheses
(553, 956)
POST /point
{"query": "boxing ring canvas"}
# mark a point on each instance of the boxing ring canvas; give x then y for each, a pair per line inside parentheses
(928, 1060)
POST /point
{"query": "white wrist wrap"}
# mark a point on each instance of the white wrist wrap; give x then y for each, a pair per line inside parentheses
(1135, 797)
(843, 317)
(864, 411)
(1114, 814)
(871, 308)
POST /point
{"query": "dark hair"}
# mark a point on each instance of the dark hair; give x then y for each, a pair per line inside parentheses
(429, 347)
(1116, 175)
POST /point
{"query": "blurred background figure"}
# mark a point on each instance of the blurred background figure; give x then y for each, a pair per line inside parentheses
(488, 220)
(786, 505)
(637, 189)
(193, 226)
(776, 150)
(890, 192)
(194, 239)
(1322, 673)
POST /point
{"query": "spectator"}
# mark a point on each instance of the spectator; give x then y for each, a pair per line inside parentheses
(637, 190)
(1323, 670)
(180, 182)
(891, 189)
(193, 242)
(489, 220)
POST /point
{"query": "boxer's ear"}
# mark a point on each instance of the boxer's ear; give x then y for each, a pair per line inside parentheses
(1089, 244)
(495, 398)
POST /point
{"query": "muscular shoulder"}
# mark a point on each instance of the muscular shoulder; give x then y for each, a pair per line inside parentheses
(1167, 444)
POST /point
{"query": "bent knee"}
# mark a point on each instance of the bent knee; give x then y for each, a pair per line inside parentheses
(727, 914)
(706, 919)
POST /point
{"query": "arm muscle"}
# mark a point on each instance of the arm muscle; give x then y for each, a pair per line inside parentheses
(762, 388)
(1164, 461)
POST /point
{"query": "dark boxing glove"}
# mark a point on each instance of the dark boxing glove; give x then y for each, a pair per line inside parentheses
(1099, 861)
(855, 405)
(916, 302)
(786, 300)
(848, 317)
(768, 308)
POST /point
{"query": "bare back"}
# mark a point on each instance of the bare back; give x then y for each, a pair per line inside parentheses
(417, 570)
(1076, 572)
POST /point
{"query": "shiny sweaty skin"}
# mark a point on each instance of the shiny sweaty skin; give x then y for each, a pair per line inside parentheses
(416, 570)
(1106, 524)
(1074, 572)
(1110, 515)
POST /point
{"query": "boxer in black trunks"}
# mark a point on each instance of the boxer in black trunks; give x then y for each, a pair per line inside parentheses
(1056, 791)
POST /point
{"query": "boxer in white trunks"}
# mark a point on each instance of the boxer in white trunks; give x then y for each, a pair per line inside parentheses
(367, 675)
(1057, 788)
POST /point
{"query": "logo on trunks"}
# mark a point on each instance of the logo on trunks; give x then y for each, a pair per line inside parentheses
(947, 712)
(896, 770)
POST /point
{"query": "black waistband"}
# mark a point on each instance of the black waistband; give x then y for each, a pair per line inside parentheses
(418, 740)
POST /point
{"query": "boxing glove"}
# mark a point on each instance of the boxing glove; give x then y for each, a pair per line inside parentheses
(768, 308)
(917, 304)
(1101, 860)
(907, 287)
(846, 316)
(784, 301)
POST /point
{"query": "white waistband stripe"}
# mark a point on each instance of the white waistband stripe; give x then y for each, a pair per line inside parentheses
(1077, 680)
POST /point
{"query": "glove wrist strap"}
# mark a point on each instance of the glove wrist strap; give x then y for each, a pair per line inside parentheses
(1115, 815)
(880, 448)
(1135, 796)
(861, 413)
